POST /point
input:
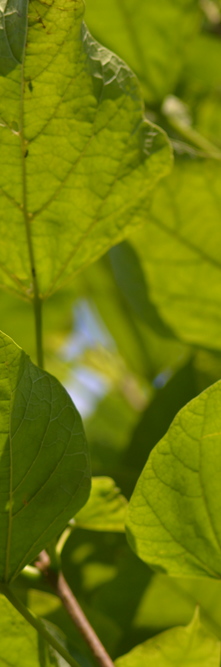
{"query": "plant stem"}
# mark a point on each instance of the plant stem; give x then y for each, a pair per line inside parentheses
(61, 588)
(37, 624)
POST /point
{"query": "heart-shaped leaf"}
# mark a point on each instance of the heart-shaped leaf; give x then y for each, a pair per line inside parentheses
(174, 516)
(44, 466)
(79, 159)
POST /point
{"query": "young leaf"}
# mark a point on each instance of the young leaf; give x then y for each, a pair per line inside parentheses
(105, 509)
(174, 521)
(178, 647)
(21, 645)
(79, 159)
(44, 466)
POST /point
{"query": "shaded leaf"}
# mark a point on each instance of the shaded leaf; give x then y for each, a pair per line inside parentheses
(44, 461)
(174, 513)
(105, 509)
(79, 159)
(181, 647)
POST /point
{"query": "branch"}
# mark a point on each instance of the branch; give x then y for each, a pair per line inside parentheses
(63, 591)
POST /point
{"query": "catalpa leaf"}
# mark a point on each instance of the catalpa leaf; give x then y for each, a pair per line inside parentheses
(21, 645)
(44, 470)
(179, 647)
(79, 159)
(174, 520)
(105, 509)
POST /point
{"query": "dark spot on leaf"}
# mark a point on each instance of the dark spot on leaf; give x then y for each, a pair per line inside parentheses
(30, 86)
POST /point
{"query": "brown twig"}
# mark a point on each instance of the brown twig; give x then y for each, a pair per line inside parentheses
(64, 592)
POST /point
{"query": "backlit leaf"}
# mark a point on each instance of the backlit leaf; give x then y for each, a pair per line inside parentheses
(79, 159)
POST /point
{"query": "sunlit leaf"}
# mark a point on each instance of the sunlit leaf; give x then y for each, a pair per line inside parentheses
(79, 159)
(44, 460)
(174, 513)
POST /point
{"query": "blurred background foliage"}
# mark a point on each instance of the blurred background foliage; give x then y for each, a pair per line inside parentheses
(138, 334)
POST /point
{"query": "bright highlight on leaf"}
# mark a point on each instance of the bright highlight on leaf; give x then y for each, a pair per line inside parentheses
(44, 469)
(179, 647)
(105, 509)
(174, 516)
(79, 159)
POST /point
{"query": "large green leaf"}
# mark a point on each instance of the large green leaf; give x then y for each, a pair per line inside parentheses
(174, 514)
(79, 159)
(180, 252)
(179, 647)
(44, 461)
(21, 645)
(154, 42)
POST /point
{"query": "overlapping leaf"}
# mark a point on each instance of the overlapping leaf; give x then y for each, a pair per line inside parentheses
(174, 514)
(179, 647)
(44, 461)
(79, 159)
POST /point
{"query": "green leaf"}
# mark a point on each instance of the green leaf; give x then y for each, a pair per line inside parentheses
(179, 252)
(105, 509)
(79, 159)
(44, 461)
(153, 42)
(179, 647)
(13, 26)
(21, 645)
(174, 513)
